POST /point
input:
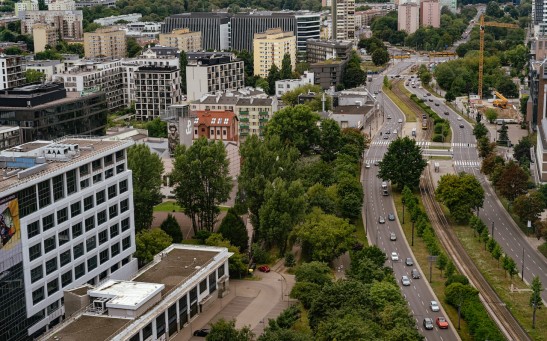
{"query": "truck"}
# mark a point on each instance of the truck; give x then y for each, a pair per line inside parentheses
(500, 101)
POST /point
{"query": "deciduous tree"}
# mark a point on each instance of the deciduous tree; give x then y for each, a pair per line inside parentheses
(331, 139)
(286, 67)
(149, 243)
(461, 193)
(535, 298)
(521, 151)
(491, 115)
(480, 131)
(32, 76)
(403, 163)
(512, 182)
(442, 262)
(233, 229)
(529, 206)
(223, 330)
(295, 126)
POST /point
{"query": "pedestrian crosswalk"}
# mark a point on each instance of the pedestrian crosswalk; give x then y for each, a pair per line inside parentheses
(423, 144)
(470, 145)
(467, 163)
(427, 144)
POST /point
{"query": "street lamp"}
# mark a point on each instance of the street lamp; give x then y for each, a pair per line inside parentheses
(493, 230)
(403, 200)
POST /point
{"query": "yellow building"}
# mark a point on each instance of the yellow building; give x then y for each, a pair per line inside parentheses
(108, 42)
(43, 35)
(183, 39)
(270, 47)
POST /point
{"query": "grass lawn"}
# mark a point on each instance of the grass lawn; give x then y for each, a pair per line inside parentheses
(543, 249)
(410, 116)
(421, 254)
(360, 231)
(369, 66)
(167, 206)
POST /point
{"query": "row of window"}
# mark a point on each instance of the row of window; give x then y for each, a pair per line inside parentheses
(68, 276)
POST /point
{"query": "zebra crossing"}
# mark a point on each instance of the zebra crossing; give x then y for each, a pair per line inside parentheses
(467, 163)
(427, 144)
(470, 145)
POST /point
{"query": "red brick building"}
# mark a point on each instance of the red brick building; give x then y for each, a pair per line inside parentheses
(216, 125)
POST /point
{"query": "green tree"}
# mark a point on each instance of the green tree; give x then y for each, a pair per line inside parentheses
(13, 50)
(387, 83)
(183, 62)
(426, 77)
(480, 131)
(149, 243)
(201, 180)
(295, 126)
(461, 193)
(237, 263)
(535, 298)
(32, 76)
(147, 170)
(442, 262)
(528, 207)
(132, 48)
(380, 57)
(42, 5)
(273, 76)
(233, 228)
(323, 237)
(353, 75)
(491, 115)
(503, 138)
(324, 198)
(157, 128)
(403, 163)
(223, 330)
(48, 54)
(512, 182)
(171, 226)
(521, 151)
(512, 268)
(497, 252)
(314, 272)
(450, 269)
(485, 146)
(286, 67)
(350, 196)
(263, 84)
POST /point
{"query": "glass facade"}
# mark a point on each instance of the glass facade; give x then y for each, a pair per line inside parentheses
(13, 313)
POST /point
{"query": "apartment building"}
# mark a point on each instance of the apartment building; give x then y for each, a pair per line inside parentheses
(156, 88)
(452, 5)
(68, 222)
(430, 13)
(47, 67)
(61, 5)
(408, 17)
(43, 35)
(112, 20)
(88, 75)
(328, 73)
(320, 50)
(9, 137)
(216, 125)
(286, 85)
(343, 19)
(538, 47)
(68, 24)
(183, 39)
(213, 72)
(107, 42)
(11, 71)
(150, 30)
(364, 18)
(214, 28)
(270, 48)
(47, 111)
(25, 5)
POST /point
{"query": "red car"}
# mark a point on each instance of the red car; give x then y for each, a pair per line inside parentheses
(264, 268)
(442, 323)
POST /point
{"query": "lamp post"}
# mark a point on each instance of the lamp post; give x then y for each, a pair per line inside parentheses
(493, 230)
(403, 200)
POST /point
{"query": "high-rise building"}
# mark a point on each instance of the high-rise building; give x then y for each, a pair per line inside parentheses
(107, 42)
(11, 71)
(408, 17)
(68, 24)
(214, 28)
(67, 221)
(343, 19)
(308, 26)
(270, 48)
(25, 5)
(156, 88)
(61, 5)
(43, 35)
(320, 50)
(183, 39)
(430, 13)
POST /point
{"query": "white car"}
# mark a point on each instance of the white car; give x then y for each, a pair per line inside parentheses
(434, 306)
(367, 165)
(394, 256)
(459, 118)
(405, 280)
(400, 120)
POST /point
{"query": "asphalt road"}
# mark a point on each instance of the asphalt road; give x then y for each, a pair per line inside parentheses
(419, 294)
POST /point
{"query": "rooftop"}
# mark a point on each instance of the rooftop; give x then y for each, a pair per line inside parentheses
(214, 118)
(125, 294)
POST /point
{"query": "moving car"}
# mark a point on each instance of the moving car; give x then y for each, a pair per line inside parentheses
(264, 268)
(202, 332)
(442, 322)
(386, 137)
(388, 132)
(392, 236)
(459, 118)
(446, 113)
(400, 120)
(409, 261)
(367, 164)
(434, 306)
(428, 323)
(415, 274)
(394, 256)
(376, 163)
(436, 104)
(461, 125)
(391, 217)
(405, 280)
(428, 94)
(431, 99)
(381, 220)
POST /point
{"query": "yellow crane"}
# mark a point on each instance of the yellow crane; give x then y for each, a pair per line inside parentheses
(500, 101)
(481, 44)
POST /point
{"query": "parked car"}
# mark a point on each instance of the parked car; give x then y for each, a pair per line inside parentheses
(264, 268)
(436, 104)
(392, 236)
(394, 256)
(434, 306)
(446, 113)
(202, 332)
(442, 322)
(391, 217)
(428, 323)
(415, 274)
(405, 280)
(409, 261)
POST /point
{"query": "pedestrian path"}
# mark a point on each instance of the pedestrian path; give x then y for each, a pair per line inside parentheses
(467, 163)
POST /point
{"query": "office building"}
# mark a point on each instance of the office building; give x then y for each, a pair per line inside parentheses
(11, 71)
(25, 5)
(183, 39)
(158, 303)
(328, 73)
(270, 48)
(61, 5)
(408, 17)
(47, 67)
(214, 28)
(211, 73)
(286, 85)
(43, 35)
(9, 137)
(47, 111)
(343, 19)
(308, 26)
(107, 42)
(68, 24)
(112, 20)
(92, 3)
(320, 50)
(430, 13)
(156, 88)
(68, 213)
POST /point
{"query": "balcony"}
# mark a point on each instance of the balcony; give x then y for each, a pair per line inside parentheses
(244, 119)
(243, 126)
(263, 120)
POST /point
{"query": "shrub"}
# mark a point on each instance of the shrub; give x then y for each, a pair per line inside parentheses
(259, 254)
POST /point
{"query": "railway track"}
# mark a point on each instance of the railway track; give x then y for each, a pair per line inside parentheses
(426, 134)
(495, 307)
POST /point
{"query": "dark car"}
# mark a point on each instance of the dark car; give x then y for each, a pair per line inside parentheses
(431, 99)
(202, 332)
(391, 217)
(428, 323)
(436, 104)
(461, 125)
(446, 113)
(415, 274)
(409, 261)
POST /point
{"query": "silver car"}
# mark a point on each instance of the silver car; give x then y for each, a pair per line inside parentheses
(434, 306)
(405, 280)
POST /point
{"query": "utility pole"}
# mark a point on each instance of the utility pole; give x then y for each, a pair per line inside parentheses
(493, 230)
(522, 266)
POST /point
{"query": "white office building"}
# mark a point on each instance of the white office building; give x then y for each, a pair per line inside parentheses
(286, 85)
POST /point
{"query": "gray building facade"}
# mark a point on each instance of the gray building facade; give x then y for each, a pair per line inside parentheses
(214, 28)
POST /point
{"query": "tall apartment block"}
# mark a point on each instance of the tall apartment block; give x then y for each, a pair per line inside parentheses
(156, 88)
(430, 13)
(343, 19)
(42, 36)
(25, 5)
(214, 28)
(67, 23)
(183, 39)
(320, 50)
(66, 222)
(11, 71)
(108, 42)
(270, 48)
(408, 17)
(61, 5)
(211, 73)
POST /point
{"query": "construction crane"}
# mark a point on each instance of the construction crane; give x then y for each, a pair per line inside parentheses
(501, 101)
(481, 50)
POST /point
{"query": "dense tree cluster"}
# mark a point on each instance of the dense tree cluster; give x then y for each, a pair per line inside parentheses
(376, 49)
(461, 193)
(403, 163)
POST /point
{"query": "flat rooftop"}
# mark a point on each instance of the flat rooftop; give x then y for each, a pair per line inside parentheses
(126, 294)
(89, 328)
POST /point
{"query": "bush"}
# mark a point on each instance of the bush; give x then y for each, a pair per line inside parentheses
(289, 260)
(259, 254)
(172, 228)
(456, 279)
(437, 138)
(202, 236)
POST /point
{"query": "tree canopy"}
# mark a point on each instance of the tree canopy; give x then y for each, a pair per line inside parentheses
(233, 228)
(171, 226)
(403, 163)
(149, 243)
(461, 193)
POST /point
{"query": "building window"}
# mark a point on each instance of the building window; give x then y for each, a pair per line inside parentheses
(113, 211)
(147, 331)
(88, 203)
(120, 155)
(101, 217)
(33, 229)
(160, 325)
(78, 250)
(71, 182)
(51, 265)
(100, 197)
(52, 287)
(125, 224)
(38, 295)
(48, 222)
(109, 173)
(124, 205)
(66, 278)
(120, 168)
(91, 243)
(103, 237)
(96, 165)
(64, 236)
(126, 243)
(91, 263)
(36, 273)
(62, 215)
(84, 183)
(97, 178)
(108, 160)
(49, 244)
(114, 230)
(220, 271)
(65, 258)
(76, 230)
(212, 282)
(202, 286)
(44, 194)
(123, 186)
(103, 256)
(84, 170)
(79, 270)
(89, 223)
(27, 201)
(75, 209)
(58, 187)
(112, 191)
(35, 251)
(115, 249)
